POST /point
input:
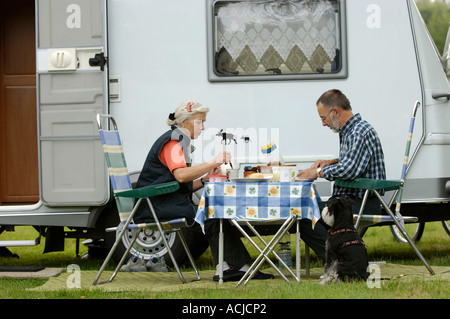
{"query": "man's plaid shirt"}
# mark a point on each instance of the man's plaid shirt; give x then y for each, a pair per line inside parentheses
(360, 155)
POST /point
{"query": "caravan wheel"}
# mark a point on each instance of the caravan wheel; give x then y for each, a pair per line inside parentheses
(149, 243)
(414, 231)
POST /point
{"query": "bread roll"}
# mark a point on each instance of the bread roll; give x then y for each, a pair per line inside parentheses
(256, 175)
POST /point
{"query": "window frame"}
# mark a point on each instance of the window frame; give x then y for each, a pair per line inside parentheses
(213, 76)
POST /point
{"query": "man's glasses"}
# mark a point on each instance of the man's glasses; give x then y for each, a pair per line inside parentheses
(324, 118)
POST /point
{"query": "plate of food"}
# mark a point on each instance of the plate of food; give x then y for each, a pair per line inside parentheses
(253, 178)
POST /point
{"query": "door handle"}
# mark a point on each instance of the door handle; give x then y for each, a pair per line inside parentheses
(98, 60)
(440, 94)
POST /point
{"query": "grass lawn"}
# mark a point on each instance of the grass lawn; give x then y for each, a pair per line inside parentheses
(380, 243)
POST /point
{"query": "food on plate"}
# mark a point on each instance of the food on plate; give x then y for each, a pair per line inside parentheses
(256, 175)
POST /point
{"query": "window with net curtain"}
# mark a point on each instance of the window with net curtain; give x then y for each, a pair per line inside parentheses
(276, 37)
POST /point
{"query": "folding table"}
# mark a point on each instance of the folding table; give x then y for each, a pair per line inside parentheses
(250, 203)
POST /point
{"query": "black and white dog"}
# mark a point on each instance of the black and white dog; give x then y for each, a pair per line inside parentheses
(346, 253)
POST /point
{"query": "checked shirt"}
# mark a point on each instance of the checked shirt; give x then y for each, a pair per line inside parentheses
(360, 155)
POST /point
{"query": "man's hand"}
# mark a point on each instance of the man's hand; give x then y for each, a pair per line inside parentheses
(323, 163)
(309, 173)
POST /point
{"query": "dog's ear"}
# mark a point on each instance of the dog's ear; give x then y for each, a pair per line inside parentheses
(332, 203)
(347, 201)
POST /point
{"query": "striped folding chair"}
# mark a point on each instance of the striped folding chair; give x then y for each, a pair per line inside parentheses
(126, 196)
(373, 186)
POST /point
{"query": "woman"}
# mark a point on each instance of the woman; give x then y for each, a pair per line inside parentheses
(169, 160)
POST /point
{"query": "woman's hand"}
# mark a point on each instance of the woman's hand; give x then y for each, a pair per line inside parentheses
(188, 174)
(215, 171)
(222, 157)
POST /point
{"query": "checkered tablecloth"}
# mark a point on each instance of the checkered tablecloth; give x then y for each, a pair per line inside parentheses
(258, 201)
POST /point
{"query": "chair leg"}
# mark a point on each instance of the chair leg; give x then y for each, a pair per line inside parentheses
(402, 229)
(111, 252)
(116, 243)
(172, 257)
(124, 256)
(361, 210)
(188, 253)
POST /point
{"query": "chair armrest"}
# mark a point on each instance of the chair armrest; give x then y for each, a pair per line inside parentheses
(166, 225)
(148, 191)
(381, 220)
(367, 183)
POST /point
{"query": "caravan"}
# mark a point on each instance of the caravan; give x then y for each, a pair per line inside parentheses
(259, 65)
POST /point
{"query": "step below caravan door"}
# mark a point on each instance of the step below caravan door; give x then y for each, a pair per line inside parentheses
(72, 77)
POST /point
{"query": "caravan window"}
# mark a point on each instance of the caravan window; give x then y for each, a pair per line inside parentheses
(257, 40)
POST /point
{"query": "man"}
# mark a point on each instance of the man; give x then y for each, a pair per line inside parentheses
(360, 155)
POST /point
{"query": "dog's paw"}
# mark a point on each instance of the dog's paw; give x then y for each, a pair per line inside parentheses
(326, 280)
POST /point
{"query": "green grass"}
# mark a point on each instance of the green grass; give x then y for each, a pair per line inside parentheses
(434, 245)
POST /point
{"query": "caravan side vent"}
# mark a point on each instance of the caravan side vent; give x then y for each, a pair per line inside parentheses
(115, 91)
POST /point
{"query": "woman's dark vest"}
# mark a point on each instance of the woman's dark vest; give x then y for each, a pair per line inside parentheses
(174, 205)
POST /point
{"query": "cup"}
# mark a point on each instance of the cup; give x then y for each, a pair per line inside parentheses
(233, 173)
(286, 174)
(224, 168)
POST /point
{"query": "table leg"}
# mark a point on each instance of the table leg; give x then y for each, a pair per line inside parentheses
(274, 242)
(266, 251)
(221, 252)
(259, 260)
(297, 249)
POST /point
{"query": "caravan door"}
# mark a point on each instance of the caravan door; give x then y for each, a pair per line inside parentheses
(72, 78)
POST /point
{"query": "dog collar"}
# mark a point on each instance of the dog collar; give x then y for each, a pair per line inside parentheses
(353, 242)
(343, 230)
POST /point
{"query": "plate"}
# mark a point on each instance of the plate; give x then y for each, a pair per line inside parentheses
(251, 180)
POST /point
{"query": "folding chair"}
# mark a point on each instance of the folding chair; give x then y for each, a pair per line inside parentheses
(372, 186)
(125, 198)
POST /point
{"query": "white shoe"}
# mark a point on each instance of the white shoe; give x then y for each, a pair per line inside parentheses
(157, 264)
(134, 264)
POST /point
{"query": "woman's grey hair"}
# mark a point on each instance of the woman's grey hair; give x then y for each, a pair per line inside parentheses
(185, 111)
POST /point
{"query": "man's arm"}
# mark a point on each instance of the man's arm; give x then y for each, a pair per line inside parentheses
(353, 162)
(313, 172)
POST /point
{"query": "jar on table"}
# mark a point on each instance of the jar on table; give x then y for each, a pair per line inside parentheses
(249, 170)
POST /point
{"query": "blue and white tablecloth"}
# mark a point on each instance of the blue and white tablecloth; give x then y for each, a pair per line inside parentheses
(258, 201)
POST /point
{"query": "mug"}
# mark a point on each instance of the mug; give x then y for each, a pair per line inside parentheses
(286, 174)
(233, 173)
